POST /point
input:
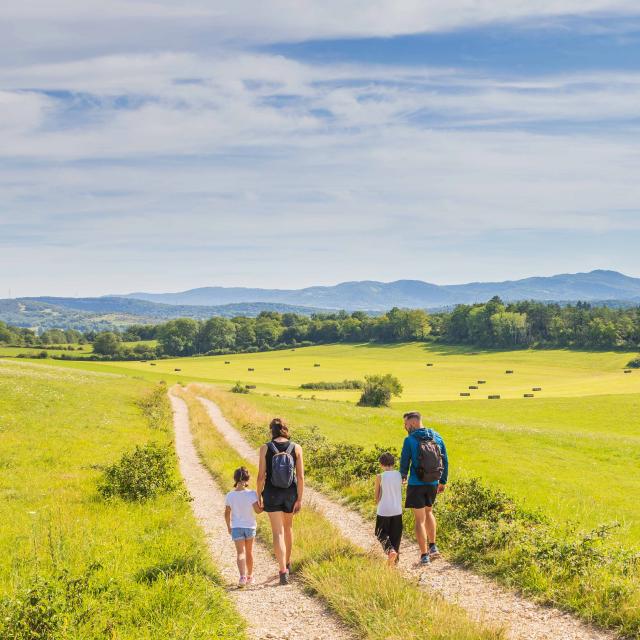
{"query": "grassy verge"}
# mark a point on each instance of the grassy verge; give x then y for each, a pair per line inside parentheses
(578, 570)
(73, 565)
(376, 601)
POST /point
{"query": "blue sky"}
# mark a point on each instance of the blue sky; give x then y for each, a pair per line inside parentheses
(159, 146)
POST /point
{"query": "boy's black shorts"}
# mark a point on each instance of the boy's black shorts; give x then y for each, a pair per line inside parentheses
(420, 496)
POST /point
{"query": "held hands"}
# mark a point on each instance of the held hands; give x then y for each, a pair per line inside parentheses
(441, 488)
(297, 506)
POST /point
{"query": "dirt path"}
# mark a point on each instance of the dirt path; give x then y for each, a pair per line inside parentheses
(298, 615)
(480, 597)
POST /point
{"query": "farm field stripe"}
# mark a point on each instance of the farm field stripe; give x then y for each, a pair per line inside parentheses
(303, 617)
(482, 599)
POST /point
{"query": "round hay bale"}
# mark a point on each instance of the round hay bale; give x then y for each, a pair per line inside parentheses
(287, 369)
(153, 364)
(627, 370)
(536, 389)
(529, 395)
(177, 369)
(429, 364)
(509, 371)
(316, 365)
(227, 362)
(249, 386)
(482, 382)
(250, 369)
(496, 397)
(472, 386)
(465, 393)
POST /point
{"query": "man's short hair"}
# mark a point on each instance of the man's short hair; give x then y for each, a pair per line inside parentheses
(412, 415)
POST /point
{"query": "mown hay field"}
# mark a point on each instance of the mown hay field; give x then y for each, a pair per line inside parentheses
(559, 373)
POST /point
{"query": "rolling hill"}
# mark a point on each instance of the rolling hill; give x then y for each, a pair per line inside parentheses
(599, 285)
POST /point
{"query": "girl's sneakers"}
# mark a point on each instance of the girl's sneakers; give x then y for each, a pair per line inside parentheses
(242, 583)
(249, 580)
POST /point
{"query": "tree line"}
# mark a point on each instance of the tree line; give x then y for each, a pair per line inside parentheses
(493, 324)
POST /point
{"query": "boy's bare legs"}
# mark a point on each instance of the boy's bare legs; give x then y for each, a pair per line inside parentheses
(279, 545)
(241, 559)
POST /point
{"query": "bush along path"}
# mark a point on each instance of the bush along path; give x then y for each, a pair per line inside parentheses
(481, 598)
(269, 612)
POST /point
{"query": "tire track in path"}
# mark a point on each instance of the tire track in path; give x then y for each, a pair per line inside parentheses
(271, 611)
(483, 599)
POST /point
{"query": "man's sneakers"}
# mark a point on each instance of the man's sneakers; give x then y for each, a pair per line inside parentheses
(434, 552)
(284, 578)
(425, 559)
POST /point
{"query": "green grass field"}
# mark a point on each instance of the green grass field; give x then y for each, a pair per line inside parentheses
(71, 562)
(560, 373)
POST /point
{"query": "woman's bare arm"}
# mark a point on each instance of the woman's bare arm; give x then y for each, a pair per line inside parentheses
(299, 478)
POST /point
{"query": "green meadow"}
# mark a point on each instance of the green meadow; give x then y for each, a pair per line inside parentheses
(74, 565)
(559, 373)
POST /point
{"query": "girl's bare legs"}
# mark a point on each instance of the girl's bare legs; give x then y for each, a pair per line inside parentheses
(241, 558)
(279, 545)
(248, 547)
(287, 521)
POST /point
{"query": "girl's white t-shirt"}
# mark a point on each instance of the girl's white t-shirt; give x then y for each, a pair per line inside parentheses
(242, 514)
(391, 501)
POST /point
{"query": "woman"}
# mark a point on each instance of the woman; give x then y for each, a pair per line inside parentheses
(280, 486)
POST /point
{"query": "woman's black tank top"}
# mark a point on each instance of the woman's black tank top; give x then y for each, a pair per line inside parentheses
(281, 446)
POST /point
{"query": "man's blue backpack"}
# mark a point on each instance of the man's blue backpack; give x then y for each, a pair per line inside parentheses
(283, 466)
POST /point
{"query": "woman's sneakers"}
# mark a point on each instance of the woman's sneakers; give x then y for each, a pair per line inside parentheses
(242, 583)
(284, 578)
(425, 559)
(434, 552)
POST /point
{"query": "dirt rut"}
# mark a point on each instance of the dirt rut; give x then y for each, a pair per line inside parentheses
(480, 597)
(271, 611)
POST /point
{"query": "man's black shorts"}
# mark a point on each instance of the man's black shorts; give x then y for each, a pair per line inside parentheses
(422, 495)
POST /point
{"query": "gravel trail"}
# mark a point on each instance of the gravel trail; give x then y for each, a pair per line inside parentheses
(480, 597)
(296, 615)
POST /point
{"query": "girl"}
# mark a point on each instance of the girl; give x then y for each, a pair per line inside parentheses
(241, 505)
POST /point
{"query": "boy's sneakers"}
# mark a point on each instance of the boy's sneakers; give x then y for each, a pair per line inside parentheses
(284, 578)
(425, 559)
(392, 557)
(242, 583)
(434, 552)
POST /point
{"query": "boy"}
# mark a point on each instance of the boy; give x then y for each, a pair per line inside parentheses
(389, 511)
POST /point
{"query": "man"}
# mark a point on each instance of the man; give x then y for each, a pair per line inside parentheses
(421, 493)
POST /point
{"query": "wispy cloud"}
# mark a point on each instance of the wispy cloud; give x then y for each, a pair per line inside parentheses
(227, 163)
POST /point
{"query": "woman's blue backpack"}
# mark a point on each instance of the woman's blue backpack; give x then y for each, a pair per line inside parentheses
(283, 466)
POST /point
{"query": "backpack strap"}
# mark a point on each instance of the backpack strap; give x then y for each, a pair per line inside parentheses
(290, 448)
(273, 447)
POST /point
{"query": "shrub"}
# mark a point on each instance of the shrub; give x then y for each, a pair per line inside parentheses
(156, 407)
(378, 390)
(331, 386)
(634, 364)
(238, 387)
(139, 475)
(43, 607)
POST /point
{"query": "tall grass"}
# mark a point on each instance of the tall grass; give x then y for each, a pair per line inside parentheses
(563, 565)
(360, 589)
(74, 566)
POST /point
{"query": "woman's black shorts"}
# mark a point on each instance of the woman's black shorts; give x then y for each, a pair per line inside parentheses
(275, 499)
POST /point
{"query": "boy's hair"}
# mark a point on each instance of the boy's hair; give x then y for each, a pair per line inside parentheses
(387, 459)
(241, 475)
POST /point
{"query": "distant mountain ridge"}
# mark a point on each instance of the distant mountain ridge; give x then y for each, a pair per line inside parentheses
(371, 295)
